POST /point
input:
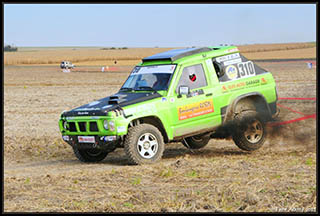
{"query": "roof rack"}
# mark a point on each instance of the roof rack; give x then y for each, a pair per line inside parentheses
(175, 54)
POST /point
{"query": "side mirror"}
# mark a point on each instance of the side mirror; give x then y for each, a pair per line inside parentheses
(184, 90)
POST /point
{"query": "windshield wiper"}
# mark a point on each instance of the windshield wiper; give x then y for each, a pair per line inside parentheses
(146, 88)
(126, 89)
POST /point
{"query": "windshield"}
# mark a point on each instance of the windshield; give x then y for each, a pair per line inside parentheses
(154, 78)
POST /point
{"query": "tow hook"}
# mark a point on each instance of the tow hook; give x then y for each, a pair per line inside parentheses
(94, 145)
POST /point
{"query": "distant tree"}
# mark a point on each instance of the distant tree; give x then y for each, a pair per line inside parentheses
(9, 48)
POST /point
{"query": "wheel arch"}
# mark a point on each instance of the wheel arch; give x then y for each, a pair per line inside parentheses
(153, 120)
(256, 99)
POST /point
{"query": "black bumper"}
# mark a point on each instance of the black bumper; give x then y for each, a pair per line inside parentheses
(100, 143)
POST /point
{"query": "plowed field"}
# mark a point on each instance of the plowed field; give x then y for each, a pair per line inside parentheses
(41, 173)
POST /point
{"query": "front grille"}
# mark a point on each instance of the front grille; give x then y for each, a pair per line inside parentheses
(82, 126)
(93, 126)
(72, 127)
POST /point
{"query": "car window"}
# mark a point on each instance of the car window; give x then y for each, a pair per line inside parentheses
(192, 76)
(235, 66)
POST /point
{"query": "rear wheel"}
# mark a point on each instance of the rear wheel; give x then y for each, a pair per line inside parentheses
(89, 155)
(250, 131)
(196, 142)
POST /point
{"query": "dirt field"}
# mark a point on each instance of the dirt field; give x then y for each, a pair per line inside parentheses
(98, 56)
(41, 174)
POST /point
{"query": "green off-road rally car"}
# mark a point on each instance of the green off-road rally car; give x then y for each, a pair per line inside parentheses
(186, 95)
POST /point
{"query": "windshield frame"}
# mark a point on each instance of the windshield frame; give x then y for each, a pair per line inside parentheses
(169, 81)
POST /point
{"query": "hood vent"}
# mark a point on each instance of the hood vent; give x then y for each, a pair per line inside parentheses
(114, 101)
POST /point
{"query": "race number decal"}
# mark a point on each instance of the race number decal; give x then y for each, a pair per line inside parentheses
(246, 69)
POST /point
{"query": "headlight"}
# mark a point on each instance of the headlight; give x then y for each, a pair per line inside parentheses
(111, 125)
(65, 125)
(105, 124)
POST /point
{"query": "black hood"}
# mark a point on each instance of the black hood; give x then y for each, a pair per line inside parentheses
(116, 101)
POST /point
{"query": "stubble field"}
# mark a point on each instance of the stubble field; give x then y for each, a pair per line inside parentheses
(41, 174)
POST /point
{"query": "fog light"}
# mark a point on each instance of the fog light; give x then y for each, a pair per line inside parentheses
(105, 124)
(111, 125)
(65, 138)
(110, 138)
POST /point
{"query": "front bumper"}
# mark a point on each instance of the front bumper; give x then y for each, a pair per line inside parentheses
(107, 143)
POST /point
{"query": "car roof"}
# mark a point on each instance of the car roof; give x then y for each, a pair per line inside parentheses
(175, 54)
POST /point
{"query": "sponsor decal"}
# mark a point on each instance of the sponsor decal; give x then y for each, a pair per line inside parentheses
(163, 99)
(232, 72)
(231, 50)
(239, 85)
(87, 109)
(192, 77)
(234, 61)
(153, 69)
(94, 103)
(86, 139)
(121, 129)
(195, 109)
(195, 93)
(263, 80)
(171, 100)
(83, 113)
(251, 82)
(70, 118)
(224, 88)
(228, 57)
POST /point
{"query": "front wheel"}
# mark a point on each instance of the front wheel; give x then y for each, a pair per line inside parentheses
(250, 133)
(144, 144)
(89, 155)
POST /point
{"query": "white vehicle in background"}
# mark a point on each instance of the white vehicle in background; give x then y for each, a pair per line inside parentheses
(66, 65)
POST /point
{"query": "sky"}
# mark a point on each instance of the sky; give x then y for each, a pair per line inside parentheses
(157, 25)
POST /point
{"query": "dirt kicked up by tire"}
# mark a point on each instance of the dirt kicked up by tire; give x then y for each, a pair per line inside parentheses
(144, 144)
(250, 131)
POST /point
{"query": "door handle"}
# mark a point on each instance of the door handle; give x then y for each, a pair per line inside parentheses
(209, 94)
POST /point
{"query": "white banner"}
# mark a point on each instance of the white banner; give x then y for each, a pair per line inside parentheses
(153, 69)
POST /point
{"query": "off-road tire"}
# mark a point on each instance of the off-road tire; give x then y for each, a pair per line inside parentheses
(249, 131)
(132, 147)
(196, 142)
(89, 155)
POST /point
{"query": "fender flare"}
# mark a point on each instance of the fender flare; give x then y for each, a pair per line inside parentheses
(158, 124)
(230, 112)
